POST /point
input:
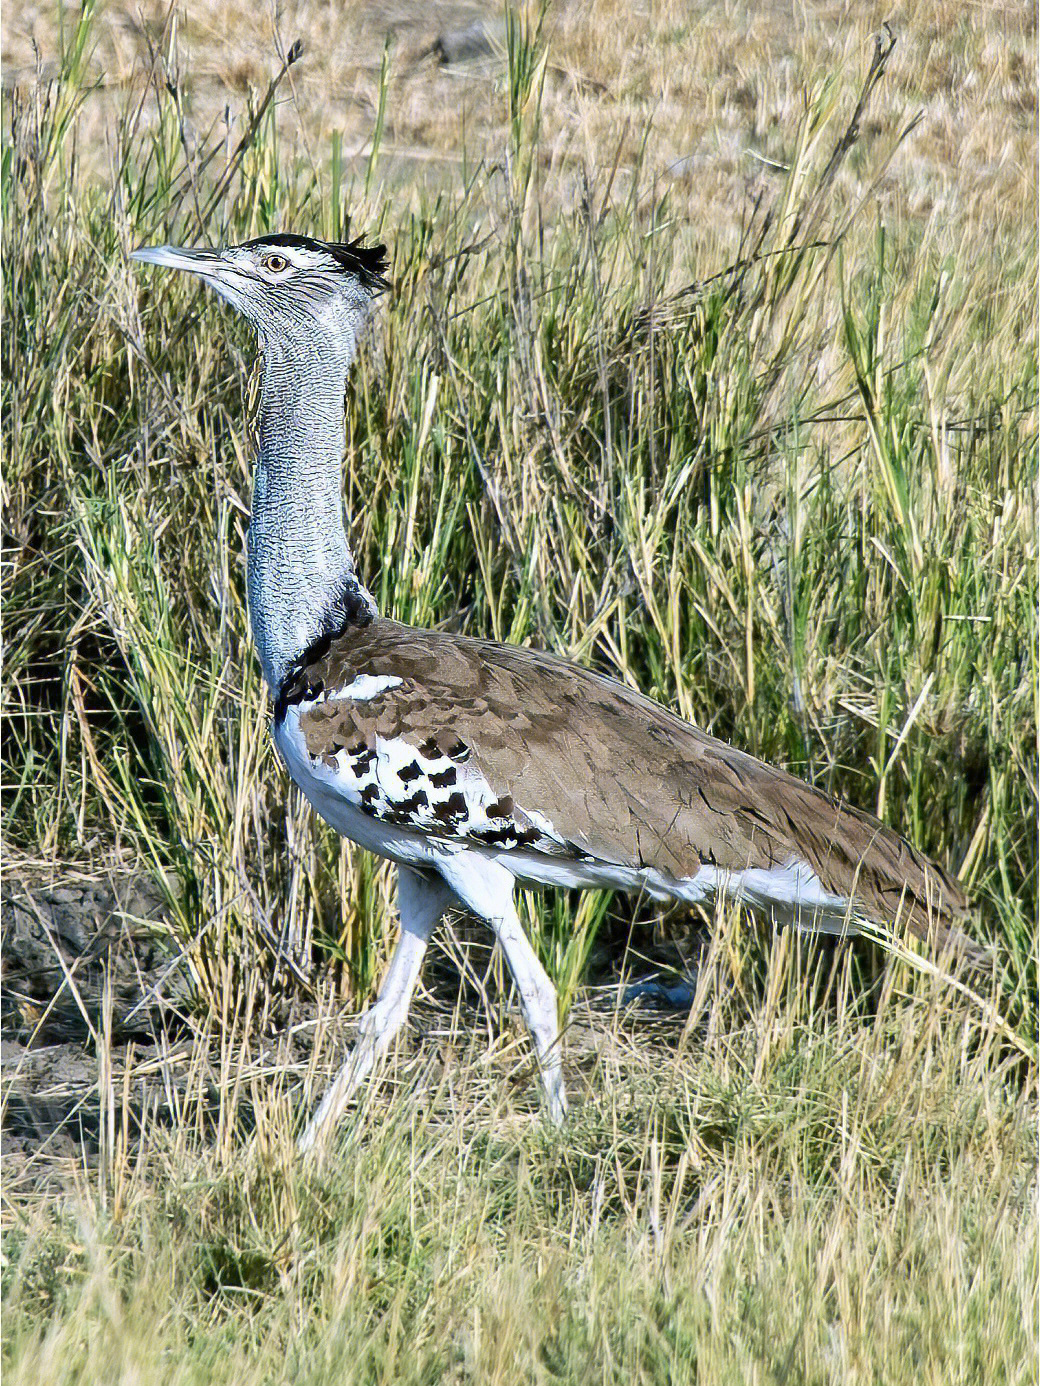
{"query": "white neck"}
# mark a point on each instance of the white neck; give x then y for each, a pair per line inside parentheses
(301, 576)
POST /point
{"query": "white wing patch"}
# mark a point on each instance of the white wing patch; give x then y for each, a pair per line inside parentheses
(363, 689)
(367, 686)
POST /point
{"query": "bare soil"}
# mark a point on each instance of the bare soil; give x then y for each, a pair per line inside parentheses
(81, 959)
(98, 1030)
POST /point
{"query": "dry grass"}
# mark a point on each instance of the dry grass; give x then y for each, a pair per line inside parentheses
(759, 1196)
(795, 500)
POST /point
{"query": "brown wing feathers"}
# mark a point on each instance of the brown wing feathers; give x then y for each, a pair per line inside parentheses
(620, 777)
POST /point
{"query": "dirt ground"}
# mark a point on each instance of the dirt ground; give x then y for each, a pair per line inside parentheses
(80, 959)
(98, 1032)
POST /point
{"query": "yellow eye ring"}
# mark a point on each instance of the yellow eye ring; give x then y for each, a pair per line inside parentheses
(276, 263)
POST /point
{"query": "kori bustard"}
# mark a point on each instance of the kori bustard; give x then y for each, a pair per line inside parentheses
(475, 766)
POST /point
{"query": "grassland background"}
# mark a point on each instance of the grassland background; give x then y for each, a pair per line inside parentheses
(795, 500)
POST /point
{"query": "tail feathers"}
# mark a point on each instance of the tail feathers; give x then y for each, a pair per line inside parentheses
(945, 940)
(795, 895)
(802, 857)
(927, 900)
(949, 942)
(880, 879)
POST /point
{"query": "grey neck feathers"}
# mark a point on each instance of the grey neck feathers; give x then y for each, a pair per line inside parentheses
(303, 585)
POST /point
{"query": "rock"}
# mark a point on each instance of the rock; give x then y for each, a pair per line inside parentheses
(481, 39)
(678, 997)
(88, 929)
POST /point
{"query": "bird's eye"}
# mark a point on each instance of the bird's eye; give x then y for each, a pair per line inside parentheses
(276, 263)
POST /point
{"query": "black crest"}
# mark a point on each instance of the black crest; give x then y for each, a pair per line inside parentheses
(368, 262)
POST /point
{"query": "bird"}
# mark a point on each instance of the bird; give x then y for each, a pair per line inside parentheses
(478, 767)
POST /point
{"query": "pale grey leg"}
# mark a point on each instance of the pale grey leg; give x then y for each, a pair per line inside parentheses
(486, 889)
(421, 900)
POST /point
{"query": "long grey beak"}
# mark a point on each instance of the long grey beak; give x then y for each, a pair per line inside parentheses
(203, 262)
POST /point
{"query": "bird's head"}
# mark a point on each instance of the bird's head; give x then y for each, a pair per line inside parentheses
(293, 289)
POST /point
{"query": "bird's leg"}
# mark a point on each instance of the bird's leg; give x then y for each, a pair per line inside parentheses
(422, 901)
(541, 1009)
(487, 889)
